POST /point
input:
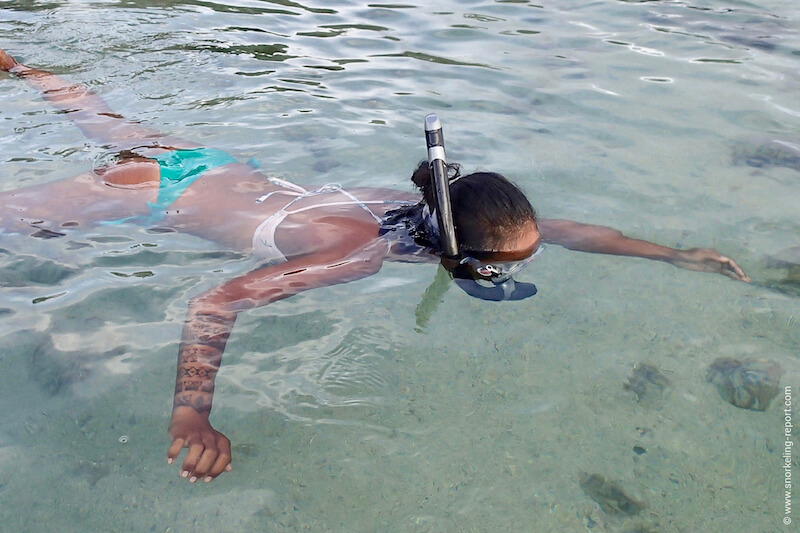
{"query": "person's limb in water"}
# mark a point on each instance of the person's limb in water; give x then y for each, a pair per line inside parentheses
(87, 110)
(604, 240)
(209, 323)
(130, 170)
(199, 357)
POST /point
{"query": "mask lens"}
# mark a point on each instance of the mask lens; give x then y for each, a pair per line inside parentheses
(497, 273)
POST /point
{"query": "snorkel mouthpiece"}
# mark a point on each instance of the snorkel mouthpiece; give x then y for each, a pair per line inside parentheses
(437, 162)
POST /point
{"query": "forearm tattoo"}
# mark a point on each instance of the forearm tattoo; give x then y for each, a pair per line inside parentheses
(199, 357)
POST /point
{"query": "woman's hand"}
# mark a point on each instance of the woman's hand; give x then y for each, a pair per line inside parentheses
(209, 450)
(708, 260)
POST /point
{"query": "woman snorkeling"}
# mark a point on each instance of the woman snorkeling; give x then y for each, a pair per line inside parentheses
(305, 237)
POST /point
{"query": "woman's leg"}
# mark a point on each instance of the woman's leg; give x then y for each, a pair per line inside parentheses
(88, 111)
(82, 201)
(116, 191)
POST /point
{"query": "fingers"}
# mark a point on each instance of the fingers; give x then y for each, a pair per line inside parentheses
(734, 270)
(175, 450)
(729, 267)
(204, 465)
(722, 264)
(204, 460)
(223, 462)
(192, 458)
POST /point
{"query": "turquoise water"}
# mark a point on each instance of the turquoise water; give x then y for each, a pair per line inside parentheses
(672, 121)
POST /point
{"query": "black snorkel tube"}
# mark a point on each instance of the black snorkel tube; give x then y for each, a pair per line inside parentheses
(437, 162)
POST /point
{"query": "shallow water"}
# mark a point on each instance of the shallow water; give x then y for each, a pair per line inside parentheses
(671, 121)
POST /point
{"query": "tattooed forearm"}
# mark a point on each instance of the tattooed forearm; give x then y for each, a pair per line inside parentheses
(200, 403)
(208, 329)
(199, 358)
(197, 368)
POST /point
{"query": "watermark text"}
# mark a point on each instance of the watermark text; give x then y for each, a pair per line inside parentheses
(788, 444)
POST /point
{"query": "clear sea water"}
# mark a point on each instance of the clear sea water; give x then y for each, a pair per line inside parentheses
(673, 121)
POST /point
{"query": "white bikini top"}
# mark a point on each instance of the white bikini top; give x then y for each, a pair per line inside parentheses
(264, 237)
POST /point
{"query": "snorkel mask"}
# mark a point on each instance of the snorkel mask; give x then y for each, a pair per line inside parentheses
(487, 280)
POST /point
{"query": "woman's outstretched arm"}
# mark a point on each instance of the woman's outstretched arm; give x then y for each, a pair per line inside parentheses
(87, 110)
(604, 240)
(209, 323)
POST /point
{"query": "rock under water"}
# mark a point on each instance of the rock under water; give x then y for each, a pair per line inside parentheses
(647, 382)
(612, 497)
(749, 384)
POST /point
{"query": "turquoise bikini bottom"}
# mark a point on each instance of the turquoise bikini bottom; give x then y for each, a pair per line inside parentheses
(178, 169)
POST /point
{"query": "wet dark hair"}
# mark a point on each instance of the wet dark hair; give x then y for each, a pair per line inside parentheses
(487, 207)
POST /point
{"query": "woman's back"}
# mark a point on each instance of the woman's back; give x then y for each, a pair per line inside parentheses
(228, 205)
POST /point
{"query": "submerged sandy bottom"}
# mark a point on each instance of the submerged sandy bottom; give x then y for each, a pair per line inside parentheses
(485, 420)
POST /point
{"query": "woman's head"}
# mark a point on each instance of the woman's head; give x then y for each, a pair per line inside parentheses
(490, 213)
